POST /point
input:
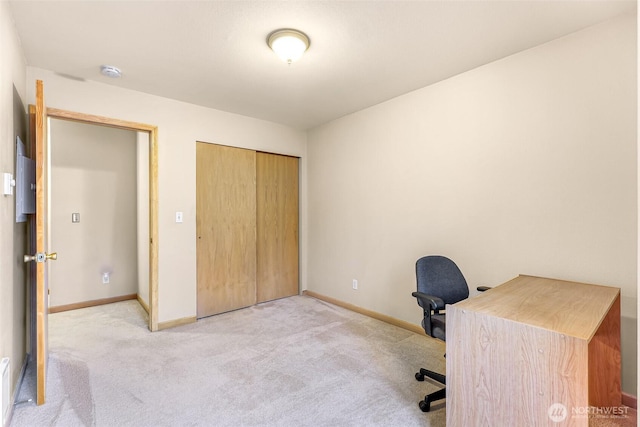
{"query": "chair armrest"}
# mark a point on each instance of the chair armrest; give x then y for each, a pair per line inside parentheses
(429, 301)
(483, 288)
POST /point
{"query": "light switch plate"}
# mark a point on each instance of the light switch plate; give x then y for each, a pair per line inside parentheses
(178, 216)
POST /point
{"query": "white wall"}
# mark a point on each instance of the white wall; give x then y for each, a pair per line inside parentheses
(93, 173)
(13, 236)
(180, 125)
(525, 165)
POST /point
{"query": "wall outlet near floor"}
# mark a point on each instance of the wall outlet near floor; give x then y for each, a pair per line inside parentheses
(105, 278)
(355, 284)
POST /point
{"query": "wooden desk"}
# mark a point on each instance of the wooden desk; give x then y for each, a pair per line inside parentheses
(521, 347)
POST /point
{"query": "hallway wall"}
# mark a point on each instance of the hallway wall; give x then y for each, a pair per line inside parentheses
(93, 173)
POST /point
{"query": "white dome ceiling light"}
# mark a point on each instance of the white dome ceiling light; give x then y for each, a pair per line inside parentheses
(111, 71)
(288, 44)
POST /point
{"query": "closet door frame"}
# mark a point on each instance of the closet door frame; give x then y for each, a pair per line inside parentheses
(210, 268)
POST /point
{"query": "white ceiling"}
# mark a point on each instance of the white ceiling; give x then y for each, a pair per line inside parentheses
(214, 53)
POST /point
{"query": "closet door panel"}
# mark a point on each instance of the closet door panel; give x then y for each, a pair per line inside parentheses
(277, 226)
(226, 228)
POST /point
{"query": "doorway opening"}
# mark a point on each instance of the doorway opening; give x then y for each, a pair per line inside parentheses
(94, 189)
(146, 135)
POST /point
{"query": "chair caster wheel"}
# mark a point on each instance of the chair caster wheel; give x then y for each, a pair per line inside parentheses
(419, 376)
(424, 406)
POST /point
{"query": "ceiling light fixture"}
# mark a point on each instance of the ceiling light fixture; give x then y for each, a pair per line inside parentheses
(111, 71)
(288, 44)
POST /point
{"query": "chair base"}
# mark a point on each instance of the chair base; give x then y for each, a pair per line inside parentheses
(425, 405)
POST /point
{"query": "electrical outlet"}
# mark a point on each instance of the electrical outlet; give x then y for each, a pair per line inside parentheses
(355, 284)
(105, 278)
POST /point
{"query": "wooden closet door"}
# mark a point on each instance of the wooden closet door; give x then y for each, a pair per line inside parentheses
(277, 226)
(226, 228)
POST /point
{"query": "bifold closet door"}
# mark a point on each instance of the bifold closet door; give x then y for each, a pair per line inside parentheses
(277, 226)
(226, 228)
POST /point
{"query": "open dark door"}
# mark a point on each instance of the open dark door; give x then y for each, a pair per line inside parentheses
(38, 285)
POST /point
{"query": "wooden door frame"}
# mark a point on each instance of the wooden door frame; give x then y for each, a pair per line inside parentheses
(153, 191)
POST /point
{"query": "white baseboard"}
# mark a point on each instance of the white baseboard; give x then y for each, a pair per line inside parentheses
(16, 390)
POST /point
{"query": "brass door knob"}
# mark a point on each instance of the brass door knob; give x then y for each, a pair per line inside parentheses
(41, 257)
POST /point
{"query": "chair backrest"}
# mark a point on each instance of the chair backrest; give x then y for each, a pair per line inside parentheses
(439, 276)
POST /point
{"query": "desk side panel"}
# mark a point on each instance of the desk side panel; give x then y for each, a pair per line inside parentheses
(604, 361)
(501, 372)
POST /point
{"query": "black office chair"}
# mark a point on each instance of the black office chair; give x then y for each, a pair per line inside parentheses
(440, 282)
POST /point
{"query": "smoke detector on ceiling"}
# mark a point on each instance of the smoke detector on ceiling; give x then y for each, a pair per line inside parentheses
(111, 71)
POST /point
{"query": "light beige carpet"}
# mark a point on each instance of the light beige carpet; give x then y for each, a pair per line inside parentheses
(291, 362)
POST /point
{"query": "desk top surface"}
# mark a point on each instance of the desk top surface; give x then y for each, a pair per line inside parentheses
(570, 308)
